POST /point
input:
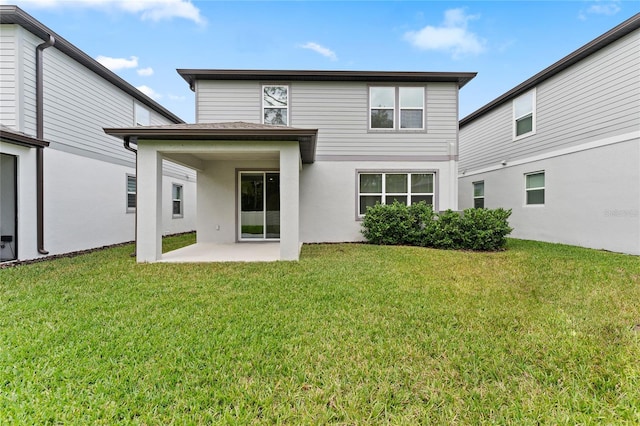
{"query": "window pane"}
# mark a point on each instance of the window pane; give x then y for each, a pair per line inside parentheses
(478, 189)
(131, 201)
(402, 199)
(535, 180)
(411, 119)
(415, 199)
(383, 97)
(368, 201)
(524, 125)
(422, 182)
(411, 97)
(478, 203)
(131, 184)
(523, 105)
(177, 207)
(275, 96)
(276, 116)
(396, 183)
(382, 119)
(177, 192)
(535, 196)
(371, 183)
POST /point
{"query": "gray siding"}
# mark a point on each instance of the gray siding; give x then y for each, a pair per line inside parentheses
(340, 111)
(596, 98)
(8, 82)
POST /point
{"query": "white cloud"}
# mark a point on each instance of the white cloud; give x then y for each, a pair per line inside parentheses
(452, 36)
(607, 8)
(149, 92)
(324, 51)
(153, 10)
(115, 64)
(145, 72)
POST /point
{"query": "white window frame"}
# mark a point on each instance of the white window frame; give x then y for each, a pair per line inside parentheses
(478, 197)
(286, 108)
(515, 118)
(537, 188)
(142, 115)
(179, 200)
(397, 110)
(128, 193)
(383, 195)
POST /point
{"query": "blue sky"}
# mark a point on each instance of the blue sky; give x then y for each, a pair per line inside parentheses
(506, 42)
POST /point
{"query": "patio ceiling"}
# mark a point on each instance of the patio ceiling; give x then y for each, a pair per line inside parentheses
(223, 132)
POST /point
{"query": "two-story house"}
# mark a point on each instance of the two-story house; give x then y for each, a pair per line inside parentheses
(64, 185)
(562, 149)
(287, 157)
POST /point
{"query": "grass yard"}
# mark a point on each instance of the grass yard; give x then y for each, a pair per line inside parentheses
(352, 334)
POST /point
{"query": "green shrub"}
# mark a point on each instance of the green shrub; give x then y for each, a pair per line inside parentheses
(418, 225)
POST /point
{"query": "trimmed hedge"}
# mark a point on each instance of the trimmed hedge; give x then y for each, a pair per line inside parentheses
(419, 225)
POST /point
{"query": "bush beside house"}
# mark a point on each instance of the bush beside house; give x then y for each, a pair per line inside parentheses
(419, 225)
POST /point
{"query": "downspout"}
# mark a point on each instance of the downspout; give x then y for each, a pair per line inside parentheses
(40, 135)
(128, 147)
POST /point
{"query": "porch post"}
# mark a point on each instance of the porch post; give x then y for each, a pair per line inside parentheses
(149, 204)
(290, 201)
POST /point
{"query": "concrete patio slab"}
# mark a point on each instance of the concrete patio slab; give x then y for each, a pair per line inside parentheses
(234, 252)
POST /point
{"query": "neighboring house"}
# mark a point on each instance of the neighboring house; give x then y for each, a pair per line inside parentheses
(562, 149)
(65, 185)
(298, 156)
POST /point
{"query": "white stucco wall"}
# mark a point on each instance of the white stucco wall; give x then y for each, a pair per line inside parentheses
(592, 197)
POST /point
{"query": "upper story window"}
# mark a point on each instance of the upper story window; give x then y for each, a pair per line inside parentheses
(524, 115)
(275, 105)
(142, 115)
(383, 113)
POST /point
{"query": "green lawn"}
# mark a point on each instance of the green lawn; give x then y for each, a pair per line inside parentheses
(351, 334)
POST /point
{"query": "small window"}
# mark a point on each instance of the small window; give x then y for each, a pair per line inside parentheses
(176, 200)
(131, 193)
(478, 195)
(142, 115)
(385, 188)
(382, 103)
(275, 105)
(535, 188)
(524, 115)
(411, 107)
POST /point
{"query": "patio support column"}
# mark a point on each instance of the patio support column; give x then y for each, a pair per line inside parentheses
(149, 204)
(290, 164)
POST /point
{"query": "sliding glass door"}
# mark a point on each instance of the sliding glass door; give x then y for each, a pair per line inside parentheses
(259, 208)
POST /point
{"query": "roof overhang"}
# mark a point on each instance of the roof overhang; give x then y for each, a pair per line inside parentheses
(460, 78)
(204, 132)
(10, 14)
(20, 138)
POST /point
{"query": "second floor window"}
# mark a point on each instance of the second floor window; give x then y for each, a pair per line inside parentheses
(524, 115)
(396, 108)
(275, 105)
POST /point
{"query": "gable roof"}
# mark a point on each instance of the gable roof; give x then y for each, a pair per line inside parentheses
(191, 75)
(228, 131)
(588, 49)
(14, 15)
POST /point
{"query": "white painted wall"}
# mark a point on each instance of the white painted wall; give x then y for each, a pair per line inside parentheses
(592, 197)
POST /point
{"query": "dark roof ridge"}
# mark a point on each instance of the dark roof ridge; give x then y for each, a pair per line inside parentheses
(11, 14)
(588, 49)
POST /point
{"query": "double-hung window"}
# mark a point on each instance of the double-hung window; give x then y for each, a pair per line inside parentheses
(131, 193)
(478, 195)
(534, 188)
(385, 188)
(393, 108)
(275, 105)
(524, 115)
(176, 200)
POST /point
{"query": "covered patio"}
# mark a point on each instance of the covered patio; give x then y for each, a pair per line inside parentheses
(247, 188)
